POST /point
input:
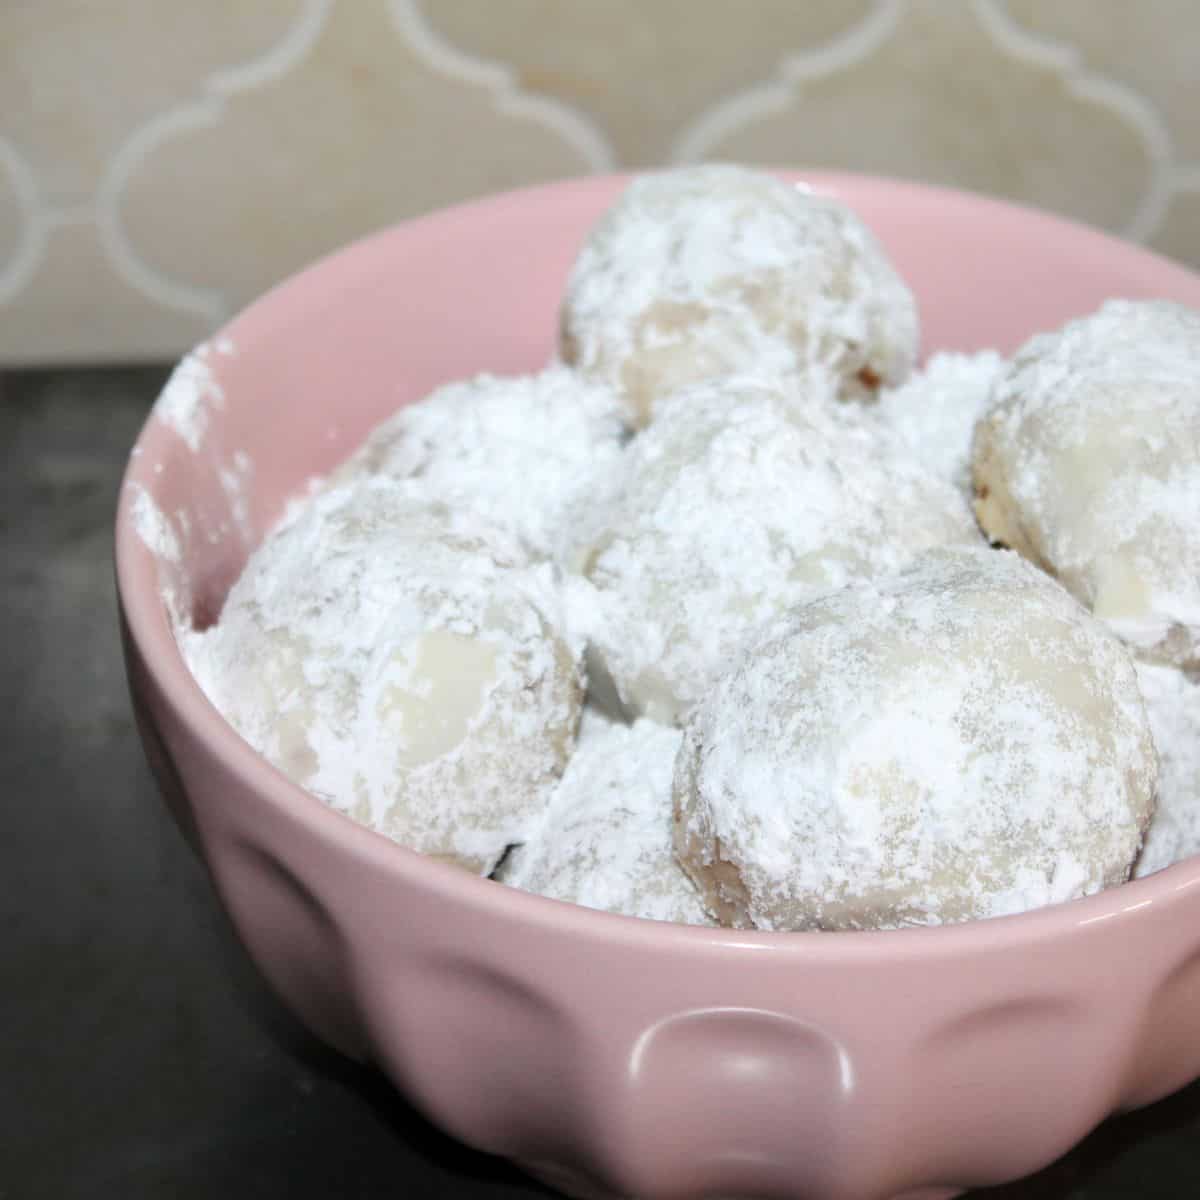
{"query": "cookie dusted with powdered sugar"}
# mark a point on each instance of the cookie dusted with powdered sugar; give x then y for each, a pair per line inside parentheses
(532, 453)
(960, 740)
(605, 841)
(1089, 464)
(405, 663)
(736, 505)
(711, 270)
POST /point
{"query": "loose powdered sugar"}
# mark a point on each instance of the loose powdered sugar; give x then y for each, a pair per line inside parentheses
(191, 391)
(605, 840)
(236, 480)
(737, 505)
(934, 413)
(153, 527)
(163, 539)
(1173, 706)
(711, 270)
(1089, 463)
(405, 663)
(959, 740)
(532, 453)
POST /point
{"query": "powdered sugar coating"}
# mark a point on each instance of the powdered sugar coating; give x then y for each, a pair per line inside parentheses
(933, 414)
(959, 740)
(737, 505)
(404, 663)
(605, 841)
(1173, 708)
(711, 270)
(1089, 464)
(532, 453)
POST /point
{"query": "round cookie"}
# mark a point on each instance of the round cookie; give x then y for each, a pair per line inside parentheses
(531, 453)
(736, 506)
(713, 270)
(404, 663)
(605, 841)
(1089, 465)
(1173, 708)
(959, 740)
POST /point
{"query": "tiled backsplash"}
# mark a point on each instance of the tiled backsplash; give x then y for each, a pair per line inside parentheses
(162, 162)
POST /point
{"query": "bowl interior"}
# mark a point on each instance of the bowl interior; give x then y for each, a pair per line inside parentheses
(297, 380)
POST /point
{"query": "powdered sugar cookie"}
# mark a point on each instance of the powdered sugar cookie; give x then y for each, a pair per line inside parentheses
(1173, 708)
(711, 270)
(1089, 464)
(959, 740)
(605, 841)
(403, 662)
(737, 506)
(532, 453)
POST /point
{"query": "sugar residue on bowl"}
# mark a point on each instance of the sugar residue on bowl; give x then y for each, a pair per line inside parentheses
(192, 391)
(153, 527)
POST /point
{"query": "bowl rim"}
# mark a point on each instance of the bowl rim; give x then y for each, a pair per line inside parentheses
(147, 625)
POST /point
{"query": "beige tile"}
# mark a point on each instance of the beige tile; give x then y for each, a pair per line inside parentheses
(78, 77)
(75, 308)
(1152, 46)
(939, 101)
(228, 143)
(1179, 233)
(641, 70)
(360, 133)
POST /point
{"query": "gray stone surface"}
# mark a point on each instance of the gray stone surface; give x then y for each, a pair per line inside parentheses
(140, 1056)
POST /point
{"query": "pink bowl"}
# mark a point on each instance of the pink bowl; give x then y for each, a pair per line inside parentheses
(608, 1055)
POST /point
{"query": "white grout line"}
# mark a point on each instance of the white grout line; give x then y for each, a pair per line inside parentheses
(580, 133)
(776, 95)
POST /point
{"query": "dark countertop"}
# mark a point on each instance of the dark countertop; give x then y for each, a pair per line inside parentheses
(140, 1055)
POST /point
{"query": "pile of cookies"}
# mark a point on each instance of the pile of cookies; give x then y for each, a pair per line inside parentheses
(733, 616)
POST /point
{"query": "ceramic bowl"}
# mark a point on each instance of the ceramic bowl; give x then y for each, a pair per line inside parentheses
(612, 1056)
